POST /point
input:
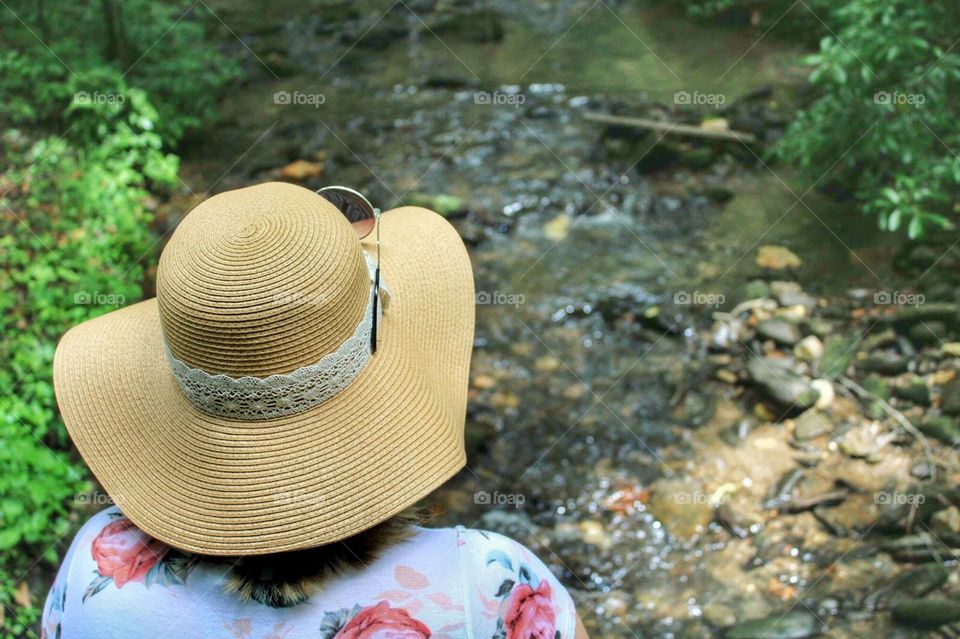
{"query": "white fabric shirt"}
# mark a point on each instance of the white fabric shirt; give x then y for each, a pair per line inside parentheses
(446, 583)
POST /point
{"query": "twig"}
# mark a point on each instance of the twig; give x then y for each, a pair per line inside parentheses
(671, 128)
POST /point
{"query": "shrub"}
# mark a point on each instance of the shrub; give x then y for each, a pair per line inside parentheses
(75, 239)
(883, 125)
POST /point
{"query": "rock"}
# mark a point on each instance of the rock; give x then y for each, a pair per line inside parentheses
(909, 584)
(504, 400)
(925, 614)
(790, 294)
(681, 506)
(724, 336)
(812, 423)
(942, 428)
(837, 352)
(726, 376)
(719, 615)
(777, 258)
(863, 441)
(738, 518)
(922, 470)
(483, 381)
(950, 397)
(825, 392)
(947, 520)
(442, 203)
(928, 333)
(819, 326)
(778, 330)
(908, 316)
(883, 362)
(809, 349)
(301, 170)
(915, 391)
(781, 383)
(952, 349)
(796, 624)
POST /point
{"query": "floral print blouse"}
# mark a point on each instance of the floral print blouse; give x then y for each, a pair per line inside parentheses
(447, 583)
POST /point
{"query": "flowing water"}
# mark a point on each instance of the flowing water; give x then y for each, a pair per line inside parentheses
(570, 405)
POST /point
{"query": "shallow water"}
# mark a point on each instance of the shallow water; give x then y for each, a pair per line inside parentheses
(569, 410)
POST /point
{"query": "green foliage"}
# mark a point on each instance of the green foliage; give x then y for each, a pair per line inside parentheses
(87, 131)
(52, 58)
(883, 125)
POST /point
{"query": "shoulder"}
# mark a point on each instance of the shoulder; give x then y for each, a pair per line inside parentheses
(108, 565)
(511, 591)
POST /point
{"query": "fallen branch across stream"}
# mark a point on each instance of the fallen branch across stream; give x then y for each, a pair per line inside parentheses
(671, 128)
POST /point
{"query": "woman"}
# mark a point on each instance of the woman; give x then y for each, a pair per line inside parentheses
(264, 423)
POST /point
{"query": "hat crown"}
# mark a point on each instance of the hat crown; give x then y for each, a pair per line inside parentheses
(260, 281)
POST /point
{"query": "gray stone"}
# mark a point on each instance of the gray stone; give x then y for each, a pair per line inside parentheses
(812, 423)
(797, 624)
(778, 330)
(781, 383)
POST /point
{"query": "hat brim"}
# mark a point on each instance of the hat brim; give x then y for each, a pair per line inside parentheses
(222, 487)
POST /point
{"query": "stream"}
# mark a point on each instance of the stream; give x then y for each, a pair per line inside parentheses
(574, 411)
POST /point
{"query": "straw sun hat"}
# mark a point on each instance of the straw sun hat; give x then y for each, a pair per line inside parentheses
(241, 411)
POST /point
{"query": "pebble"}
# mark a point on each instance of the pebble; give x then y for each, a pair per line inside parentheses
(781, 382)
(592, 532)
(926, 614)
(779, 330)
(947, 520)
(812, 423)
(824, 388)
(809, 349)
(777, 258)
(719, 614)
(796, 624)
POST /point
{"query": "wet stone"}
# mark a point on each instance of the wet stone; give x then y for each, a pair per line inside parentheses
(883, 362)
(777, 258)
(915, 391)
(779, 330)
(791, 294)
(812, 423)
(792, 625)
(777, 378)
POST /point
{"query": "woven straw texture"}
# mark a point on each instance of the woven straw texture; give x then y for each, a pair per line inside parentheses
(259, 281)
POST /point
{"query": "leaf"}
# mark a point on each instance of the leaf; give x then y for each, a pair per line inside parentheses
(501, 558)
(505, 588)
(528, 577)
(501, 632)
(333, 622)
(95, 586)
(915, 229)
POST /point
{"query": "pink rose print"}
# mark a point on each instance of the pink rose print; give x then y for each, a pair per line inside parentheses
(374, 622)
(125, 553)
(527, 599)
(530, 613)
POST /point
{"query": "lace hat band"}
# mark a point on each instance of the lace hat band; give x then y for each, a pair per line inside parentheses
(259, 398)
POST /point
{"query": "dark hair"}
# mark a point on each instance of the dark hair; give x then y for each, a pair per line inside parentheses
(286, 579)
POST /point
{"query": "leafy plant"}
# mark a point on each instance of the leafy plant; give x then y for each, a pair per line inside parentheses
(883, 126)
(75, 205)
